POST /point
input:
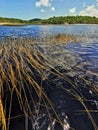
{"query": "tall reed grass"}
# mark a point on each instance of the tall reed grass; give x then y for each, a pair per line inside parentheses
(23, 69)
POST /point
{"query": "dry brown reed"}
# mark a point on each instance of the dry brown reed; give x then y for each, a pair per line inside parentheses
(21, 64)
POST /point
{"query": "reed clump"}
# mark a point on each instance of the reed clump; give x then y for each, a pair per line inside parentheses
(61, 38)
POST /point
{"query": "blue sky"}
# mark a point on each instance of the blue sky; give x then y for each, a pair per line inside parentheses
(28, 9)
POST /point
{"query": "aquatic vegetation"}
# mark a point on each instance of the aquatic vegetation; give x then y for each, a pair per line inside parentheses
(62, 38)
(39, 92)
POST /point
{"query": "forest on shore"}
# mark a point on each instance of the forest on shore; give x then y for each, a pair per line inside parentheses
(53, 20)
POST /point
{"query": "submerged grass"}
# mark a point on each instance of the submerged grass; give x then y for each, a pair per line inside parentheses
(20, 67)
(21, 73)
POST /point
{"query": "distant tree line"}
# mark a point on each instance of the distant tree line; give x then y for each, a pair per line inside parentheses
(55, 20)
(12, 20)
(71, 20)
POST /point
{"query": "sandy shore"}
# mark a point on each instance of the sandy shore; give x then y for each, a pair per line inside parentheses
(11, 24)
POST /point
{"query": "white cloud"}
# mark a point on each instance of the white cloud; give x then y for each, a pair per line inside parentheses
(46, 3)
(72, 10)
(42, 10)
(89, 11)
(52, 8)
(97, 2)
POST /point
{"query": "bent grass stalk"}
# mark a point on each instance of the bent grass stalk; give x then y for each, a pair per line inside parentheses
(19, 65)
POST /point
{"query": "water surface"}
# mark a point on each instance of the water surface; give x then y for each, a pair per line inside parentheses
(80, 60)
(84, 54)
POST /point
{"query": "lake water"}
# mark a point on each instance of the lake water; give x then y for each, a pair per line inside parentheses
(80, 59)
(89, 31)
(83, 54)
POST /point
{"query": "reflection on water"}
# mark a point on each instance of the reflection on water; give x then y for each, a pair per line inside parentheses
(89, 31)
(82, 58)
(89, 56)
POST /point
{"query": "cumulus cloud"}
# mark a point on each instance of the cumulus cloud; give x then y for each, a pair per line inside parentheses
(46, 3)
(52, 8)
(42, 10)
(89, 11)
(97, 2)
(72, 10)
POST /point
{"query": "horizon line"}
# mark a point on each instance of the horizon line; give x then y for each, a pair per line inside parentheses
(48, 17)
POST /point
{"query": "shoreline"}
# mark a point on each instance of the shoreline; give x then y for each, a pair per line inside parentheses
(12, 24)
(26, 24)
